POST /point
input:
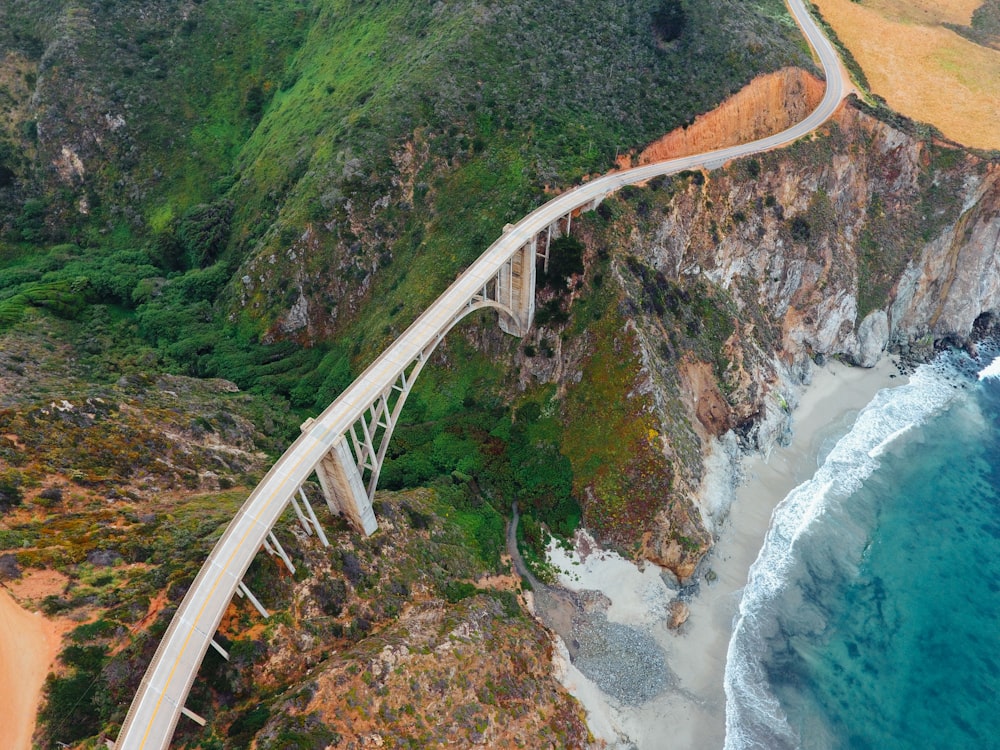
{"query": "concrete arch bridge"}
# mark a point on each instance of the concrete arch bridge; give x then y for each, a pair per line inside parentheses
(345, 445)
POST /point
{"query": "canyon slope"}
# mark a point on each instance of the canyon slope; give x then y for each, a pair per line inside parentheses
(871, 236)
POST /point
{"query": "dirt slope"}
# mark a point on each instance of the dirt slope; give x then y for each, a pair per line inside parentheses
(28, 646)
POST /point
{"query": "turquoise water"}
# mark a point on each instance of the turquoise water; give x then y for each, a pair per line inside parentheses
(871, 616)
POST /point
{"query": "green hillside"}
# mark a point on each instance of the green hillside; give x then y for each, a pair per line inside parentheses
(394, 141)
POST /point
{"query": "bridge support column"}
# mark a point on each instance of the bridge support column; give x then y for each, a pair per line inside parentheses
(522, 290)
(344, 488)
(303, 521)
(545, 255)
(222, 652)
(242, 590)
(193, 716)
(312, 518)
(273, 547)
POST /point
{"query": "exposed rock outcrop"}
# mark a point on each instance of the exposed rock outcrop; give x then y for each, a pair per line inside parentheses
(867, 237)
(870, 236)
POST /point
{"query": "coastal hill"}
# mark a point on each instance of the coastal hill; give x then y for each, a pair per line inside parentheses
(214, 215)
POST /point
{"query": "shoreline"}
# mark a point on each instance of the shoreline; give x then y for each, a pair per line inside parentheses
(691, 712)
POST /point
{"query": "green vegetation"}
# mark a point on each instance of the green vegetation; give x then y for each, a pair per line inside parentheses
(479, 458)
(669, 20)
(565, 260)
(10, 489)
(264, 124)
(71, 709)
(612, 439)
(172, 96)
(984, 28)
(699, 316)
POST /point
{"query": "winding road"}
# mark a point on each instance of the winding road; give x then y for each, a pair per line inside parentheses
(160, 699)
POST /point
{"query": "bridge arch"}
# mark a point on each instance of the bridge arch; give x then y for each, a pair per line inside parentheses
(349, 473)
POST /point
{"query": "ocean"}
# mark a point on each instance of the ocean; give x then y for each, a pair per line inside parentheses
(870, 619)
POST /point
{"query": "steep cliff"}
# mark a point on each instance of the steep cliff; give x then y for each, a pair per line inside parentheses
(870, 235)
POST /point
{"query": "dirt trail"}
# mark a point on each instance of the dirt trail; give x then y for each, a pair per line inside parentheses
(28, 645)
(554, 606)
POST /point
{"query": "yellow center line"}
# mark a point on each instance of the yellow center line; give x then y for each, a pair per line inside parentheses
(225, 568)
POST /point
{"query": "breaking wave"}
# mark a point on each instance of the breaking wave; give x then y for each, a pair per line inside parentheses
(776, 602)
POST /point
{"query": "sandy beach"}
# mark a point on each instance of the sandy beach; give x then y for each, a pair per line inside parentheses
(691, 712)
(29, 644)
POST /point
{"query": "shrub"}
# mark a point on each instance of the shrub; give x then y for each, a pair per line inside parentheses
(203, 232)
(799, 229)
(50, 496)
(9, 569)
(331, 595)
(456, 591)
(417, 519)
(242, 730)
(565, 260)
(71, 711)
(10, 490)
(31, 223)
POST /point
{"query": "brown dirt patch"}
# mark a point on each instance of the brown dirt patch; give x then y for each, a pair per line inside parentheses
(15, 440)
(711, 407)
(922, 69)
(499, 581)
(29, 644)
(765, 106)
(35, 585)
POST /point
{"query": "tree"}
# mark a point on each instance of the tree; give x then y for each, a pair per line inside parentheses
(203, 232)
(10, 490)
(565, 260)
(669, 20)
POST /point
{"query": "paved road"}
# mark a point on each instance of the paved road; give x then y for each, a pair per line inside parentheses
(155, 711)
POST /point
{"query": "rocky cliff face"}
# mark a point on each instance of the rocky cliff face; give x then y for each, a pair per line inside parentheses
(869, 236)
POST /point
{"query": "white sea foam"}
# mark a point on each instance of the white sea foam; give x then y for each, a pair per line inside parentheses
(992, 370)
(754, 717)
(879, 449)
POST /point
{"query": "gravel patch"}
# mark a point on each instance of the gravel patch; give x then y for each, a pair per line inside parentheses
(624, 662)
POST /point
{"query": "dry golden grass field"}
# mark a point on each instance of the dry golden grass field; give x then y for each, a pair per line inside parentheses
(922, 68)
